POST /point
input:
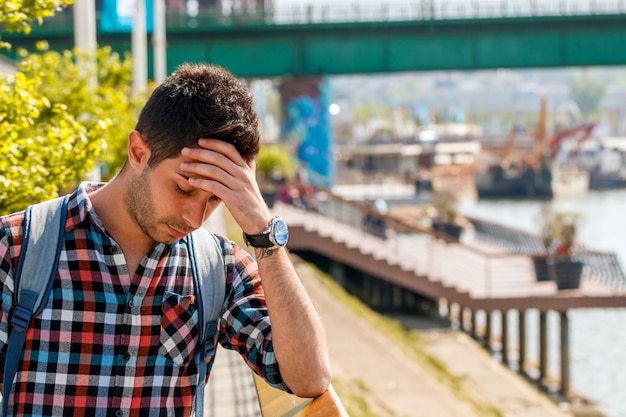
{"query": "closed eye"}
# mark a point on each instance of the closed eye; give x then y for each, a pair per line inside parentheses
(181, 191)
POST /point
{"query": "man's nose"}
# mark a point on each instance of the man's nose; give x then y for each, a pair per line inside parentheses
(194, 213)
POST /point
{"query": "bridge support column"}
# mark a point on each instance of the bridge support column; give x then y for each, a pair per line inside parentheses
(307, 126)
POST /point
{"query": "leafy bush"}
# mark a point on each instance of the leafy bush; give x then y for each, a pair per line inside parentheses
(55, 126)
(17, 15)
(274, 161)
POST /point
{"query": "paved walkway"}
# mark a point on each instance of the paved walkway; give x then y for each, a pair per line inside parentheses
(230, 391)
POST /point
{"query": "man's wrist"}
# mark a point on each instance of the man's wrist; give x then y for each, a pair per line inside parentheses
(274, 236)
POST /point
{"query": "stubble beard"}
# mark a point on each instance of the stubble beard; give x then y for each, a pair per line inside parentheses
(140, 204)
(141, 208)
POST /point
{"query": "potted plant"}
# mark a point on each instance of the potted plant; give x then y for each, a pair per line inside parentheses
(547, 238)
(559, 231)
(274, 166)
(564, 270)
(446, 202)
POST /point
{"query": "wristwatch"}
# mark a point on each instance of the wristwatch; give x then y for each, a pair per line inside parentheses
(274, 237)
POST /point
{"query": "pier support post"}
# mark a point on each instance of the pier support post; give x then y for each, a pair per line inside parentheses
(367, 289)
(397, 298)
(521, 324)
(505, 337)
(376, 292)
(475, 324)
(462, 317)
(488, 330)
(543, 346)
(384, 291)
(338, 272)
(409, 301)
(564, 354)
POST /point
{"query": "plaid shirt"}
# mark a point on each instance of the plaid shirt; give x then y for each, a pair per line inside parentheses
(102, 348)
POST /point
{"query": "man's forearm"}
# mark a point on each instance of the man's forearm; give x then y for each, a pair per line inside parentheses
(298, 335)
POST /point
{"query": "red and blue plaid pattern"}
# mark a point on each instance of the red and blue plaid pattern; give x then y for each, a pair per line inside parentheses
(103, 348)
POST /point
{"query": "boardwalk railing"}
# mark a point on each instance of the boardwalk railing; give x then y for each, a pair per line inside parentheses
(474, 272)
(603, 267)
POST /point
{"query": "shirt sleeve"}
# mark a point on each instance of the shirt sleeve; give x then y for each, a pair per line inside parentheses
(10, 244)
(245, 325)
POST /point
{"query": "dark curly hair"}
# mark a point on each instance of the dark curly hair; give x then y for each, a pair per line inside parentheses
(199, 101)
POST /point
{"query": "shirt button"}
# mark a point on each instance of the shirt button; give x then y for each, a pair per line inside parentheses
(130, 303)
(113, 250)
(119, 413)
(127, 357)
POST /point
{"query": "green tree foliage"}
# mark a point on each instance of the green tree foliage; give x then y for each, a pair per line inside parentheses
(274, 161)
(58, 117)
(587, 93)
(55, 125)
(17, 15)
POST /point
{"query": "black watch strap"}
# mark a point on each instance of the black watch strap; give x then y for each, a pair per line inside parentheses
(258, 241)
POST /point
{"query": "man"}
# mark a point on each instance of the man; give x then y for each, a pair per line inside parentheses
(106, 343)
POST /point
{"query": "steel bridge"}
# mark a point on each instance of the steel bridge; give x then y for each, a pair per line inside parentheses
(317, 39)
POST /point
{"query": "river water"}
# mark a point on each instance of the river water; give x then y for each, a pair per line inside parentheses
(597, 336)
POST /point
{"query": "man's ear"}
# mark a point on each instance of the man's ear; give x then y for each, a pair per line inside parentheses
(138, 150)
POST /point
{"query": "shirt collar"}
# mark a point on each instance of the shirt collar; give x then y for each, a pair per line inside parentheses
(79, 206)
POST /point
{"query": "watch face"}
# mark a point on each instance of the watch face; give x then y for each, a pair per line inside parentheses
(280, 232)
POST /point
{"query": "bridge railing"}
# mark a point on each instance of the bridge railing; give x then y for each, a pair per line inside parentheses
(321, 12)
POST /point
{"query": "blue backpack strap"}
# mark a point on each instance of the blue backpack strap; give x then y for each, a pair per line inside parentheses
(36, 269)
(209, 272)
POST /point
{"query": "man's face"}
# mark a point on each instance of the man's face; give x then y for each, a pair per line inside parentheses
(178, 208)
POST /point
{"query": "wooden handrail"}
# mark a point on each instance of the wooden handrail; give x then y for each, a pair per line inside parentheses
(277, 403)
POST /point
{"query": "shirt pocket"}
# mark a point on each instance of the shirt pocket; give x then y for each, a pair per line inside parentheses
(179, 327)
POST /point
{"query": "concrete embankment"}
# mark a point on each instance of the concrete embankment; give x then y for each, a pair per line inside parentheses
(450, 375)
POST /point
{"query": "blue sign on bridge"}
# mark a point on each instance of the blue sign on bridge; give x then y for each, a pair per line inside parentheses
(118, 15)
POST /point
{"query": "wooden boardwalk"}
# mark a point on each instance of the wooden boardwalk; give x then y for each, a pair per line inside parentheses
(475, 275)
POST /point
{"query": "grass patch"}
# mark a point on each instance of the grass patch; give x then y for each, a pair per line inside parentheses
(357, 400)
(409, 341)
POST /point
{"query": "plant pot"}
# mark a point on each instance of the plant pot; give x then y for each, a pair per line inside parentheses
(541, 268)
(565, 272)
(451, 229)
